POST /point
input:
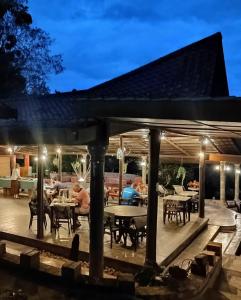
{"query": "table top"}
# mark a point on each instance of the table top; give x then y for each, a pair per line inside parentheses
(177, 198)
(68, 203)
(126, 211)
(193, 189)
(188, 193)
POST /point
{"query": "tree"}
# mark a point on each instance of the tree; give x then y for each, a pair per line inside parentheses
(25, 57)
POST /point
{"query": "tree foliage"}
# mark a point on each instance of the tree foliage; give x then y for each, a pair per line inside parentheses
(25, 57)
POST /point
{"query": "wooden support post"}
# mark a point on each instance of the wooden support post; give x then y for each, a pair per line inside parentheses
(222, 182)
(236, 188)
(143, 169)
(26, 163)
(40, 206)
(154, 152)
(121, 167)
(202, 179)
(97, 152)
(60, 165)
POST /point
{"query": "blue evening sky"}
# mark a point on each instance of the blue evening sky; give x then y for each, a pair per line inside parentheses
(100, 39)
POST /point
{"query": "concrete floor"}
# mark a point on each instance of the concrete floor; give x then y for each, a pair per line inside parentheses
(14, 216)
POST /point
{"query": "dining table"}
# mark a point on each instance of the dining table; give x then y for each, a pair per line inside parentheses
(185, 201)
(194, 189)
(188, 193)
(124, 213)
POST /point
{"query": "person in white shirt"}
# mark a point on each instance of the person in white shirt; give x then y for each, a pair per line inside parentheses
(14, 181)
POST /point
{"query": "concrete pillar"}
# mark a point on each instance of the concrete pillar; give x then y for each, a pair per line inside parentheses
(202, 180)
(236, 186)
(143, 169)
(40, 205)
(26, 163)
(151, 230)
(97, 152)
(121, 168)
(222, 182)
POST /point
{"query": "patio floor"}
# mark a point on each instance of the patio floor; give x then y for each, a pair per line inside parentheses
(14, 216)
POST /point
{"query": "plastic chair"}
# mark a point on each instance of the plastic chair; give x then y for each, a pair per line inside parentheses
(110, 227)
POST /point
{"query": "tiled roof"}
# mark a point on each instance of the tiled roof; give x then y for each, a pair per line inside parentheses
(6, 112)
(197, 70)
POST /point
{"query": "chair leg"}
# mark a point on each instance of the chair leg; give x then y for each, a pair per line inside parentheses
(30, 221)
(111, 239)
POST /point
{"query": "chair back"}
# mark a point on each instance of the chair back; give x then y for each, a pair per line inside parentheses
(178, 189)
(139, 222)
(109, 219)
(33, 208)
(62, 212)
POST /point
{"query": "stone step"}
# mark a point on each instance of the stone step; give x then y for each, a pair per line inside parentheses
(196, 246)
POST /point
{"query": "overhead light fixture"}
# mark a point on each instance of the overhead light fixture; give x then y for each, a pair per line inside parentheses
(163, 135)
(143, 163)
(217, 167)
(10, 150)
(227, 168)
(83, 160)
(44, 157)
(58, 150)
(206, 141)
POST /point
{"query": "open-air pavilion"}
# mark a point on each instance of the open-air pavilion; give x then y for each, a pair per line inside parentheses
(184, 94)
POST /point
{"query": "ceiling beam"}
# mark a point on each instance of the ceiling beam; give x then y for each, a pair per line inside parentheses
(177, 147)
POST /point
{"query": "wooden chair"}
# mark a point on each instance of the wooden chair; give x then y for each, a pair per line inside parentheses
(110, 226)
(172, 209)
(34, 213)
(62, 215)
(137, 230)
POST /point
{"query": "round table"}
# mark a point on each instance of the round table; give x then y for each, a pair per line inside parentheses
(126, 211)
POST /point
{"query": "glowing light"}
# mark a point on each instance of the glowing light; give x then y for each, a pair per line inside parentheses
(83, 160)
(217, 167)
(206, 141)
(81, 179)
(237, 171)
(143, 163)
(227, 168)
(10, 150)
(58, 150)
(44, 157)
(201, 154)
(163, 135)
(36, 158)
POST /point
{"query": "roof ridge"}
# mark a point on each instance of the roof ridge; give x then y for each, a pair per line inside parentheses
(217, 36)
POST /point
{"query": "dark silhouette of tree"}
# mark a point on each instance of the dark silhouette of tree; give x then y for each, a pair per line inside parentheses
(25, 57)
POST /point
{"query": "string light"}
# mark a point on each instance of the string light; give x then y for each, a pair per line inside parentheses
(143, 163)
(201, 154)
(82, 160)
(217, 167)
(58, 150)
(10, 150)
(36, 158)
(206, 141)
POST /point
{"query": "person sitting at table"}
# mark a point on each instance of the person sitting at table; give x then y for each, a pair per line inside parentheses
(56, 186)
(129, 193)
(82, 198)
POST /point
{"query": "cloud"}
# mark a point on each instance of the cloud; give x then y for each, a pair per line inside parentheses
(102, 39)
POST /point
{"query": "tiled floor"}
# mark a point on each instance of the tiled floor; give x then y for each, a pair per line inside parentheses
(14, 218)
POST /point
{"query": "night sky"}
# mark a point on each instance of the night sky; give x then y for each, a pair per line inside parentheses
(101, 39)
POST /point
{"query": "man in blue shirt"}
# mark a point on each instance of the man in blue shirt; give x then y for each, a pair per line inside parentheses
(129, 194)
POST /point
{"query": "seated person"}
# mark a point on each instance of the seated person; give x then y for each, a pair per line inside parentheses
(56, 186)
(129, 193)
(82, 198)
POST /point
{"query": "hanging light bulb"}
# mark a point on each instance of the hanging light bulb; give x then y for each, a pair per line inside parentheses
(82, 160)
(36, 158)
(81, 179)
(163, 135)
(143, 163)
(43, 157)
(217, 167)
(237, 171)
(206, 141)
(201, 154)
(58, 150)
(10, 150)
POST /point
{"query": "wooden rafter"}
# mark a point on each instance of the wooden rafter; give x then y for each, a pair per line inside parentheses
(177, 147)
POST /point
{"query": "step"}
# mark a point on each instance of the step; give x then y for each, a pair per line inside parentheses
(225, 238)
(196, 246)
